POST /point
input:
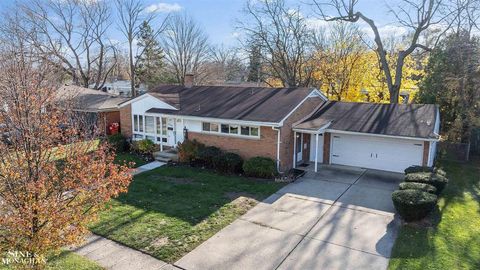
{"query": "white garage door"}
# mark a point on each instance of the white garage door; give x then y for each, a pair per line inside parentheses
(376, 152)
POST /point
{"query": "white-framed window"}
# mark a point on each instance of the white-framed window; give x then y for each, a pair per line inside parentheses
(149, 124)
(231, 129)
(135, 122)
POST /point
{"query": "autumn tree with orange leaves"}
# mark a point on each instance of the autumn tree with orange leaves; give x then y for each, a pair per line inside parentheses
(54, 174)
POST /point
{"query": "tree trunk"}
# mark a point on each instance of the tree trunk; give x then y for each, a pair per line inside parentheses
(132, 69)
(394, 93)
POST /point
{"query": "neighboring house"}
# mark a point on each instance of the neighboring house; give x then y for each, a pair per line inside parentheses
(100, 107)
(122, 88)
(285, 124)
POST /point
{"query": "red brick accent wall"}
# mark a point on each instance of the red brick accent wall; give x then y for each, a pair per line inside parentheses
(326, 147)
(266, 146)
(107, 118)
(126, 120)
(287, 141)
(426, 151)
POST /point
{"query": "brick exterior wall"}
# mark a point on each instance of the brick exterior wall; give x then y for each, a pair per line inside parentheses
(286, 138)
(326, 147)
(125, 118)
(426, 151)
(107, 118)
(266, 146)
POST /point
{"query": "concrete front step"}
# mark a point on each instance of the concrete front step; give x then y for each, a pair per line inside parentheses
(166, 156)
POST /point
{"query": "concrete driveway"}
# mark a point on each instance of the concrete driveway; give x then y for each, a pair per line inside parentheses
(339, 218)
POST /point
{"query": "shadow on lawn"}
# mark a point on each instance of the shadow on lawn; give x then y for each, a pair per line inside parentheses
(191, 195)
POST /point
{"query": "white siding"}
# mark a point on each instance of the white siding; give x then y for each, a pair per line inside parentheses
(144, 104)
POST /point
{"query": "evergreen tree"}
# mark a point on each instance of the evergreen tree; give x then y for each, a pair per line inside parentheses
(150, 63)
(453, 81)
(255, 63)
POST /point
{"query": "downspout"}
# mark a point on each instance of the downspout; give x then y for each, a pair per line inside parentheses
(278, 147)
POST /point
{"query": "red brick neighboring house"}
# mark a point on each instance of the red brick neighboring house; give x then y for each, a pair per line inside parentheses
(290, 125)
(101, 107)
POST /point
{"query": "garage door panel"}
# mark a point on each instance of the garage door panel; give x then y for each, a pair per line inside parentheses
(376, 152)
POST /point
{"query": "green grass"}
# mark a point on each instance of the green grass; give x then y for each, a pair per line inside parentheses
(122, 158)
(455, 242)
(169, 211)
(67, 260)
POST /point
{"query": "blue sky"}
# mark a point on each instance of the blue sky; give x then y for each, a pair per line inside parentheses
(218, 17)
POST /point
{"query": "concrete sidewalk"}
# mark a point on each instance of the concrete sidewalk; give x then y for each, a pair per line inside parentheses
(112, 255)
(336, 219)
(148, 167)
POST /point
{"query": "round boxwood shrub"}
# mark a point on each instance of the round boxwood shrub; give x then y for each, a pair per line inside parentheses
(440, 171)
(413, 204)
(207, 154)
(417, 169)
(228, 163)
(145, 147)
(419, 186)
(260, 167)
(434, 179)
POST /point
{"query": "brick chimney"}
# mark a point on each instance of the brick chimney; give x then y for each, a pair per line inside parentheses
(188, 80)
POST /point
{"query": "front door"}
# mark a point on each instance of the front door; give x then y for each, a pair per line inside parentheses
(299, 146)
(171, 132)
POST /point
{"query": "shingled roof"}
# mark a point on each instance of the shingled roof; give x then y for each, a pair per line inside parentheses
(260, 104)
(90, 100)
(405, 120)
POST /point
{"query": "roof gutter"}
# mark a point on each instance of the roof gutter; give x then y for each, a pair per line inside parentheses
(216, 120)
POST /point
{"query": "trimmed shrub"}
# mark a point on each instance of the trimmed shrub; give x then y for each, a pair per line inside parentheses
(228, 163)
(417, 169)
(118, 142)
(419, 186)
(440, 171)
(144, 147)
(188, 151)
(434, 179)
(261, 167)
(413, 204)
(207, 154)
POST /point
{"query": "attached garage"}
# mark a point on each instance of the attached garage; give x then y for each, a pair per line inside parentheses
(374, 152)
(389, 137)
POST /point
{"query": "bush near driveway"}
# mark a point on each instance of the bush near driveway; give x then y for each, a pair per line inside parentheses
(434, 179)
(452, 243)
(419, 186)
(416, 169)
(260, 167)
(188, 151)
(413, 204)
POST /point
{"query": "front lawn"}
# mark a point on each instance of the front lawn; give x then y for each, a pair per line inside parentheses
(455, 242)
(169, 211)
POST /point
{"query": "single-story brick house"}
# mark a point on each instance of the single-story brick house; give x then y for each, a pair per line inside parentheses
(288, 125)
(100, 107)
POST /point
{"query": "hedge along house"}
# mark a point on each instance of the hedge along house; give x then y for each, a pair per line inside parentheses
(388, 137)
(249, 121)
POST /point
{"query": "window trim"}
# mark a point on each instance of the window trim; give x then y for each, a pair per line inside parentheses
(228, 126)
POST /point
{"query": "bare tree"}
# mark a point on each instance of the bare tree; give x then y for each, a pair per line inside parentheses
(132, 15)
(284, 40)
(186, 47)
(225, 65)
(71, 35)
(415, 15)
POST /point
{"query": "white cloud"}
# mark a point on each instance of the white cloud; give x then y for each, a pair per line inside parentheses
(386, 31)
(164, 7)
(315, 23)
(236, 34)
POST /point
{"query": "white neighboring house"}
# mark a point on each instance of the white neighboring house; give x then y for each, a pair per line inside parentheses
(122, 88)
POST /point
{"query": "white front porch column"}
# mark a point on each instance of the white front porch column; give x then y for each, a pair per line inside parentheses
(161, 134)
(294, 149)
(316, 152)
